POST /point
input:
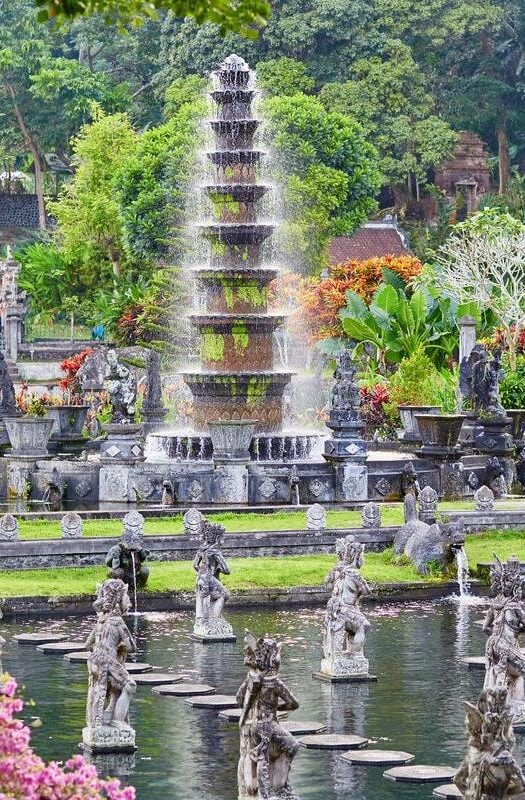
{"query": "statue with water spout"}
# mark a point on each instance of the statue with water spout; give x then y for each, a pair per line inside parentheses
(345, 625)
(126, 559)
(504, 622)
(209, 563)
(110, 686)
(489, 770)
(266, 748)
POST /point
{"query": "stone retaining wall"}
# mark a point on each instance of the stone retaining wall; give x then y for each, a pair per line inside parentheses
(83, 552)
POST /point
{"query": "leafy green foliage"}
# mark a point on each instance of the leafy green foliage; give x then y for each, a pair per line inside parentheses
(187, 90)
(243, 16)
(416, 381)
(284, 76)
(329, 172)
(512, 387)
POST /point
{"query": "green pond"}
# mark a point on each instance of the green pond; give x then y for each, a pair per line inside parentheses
(189, 754)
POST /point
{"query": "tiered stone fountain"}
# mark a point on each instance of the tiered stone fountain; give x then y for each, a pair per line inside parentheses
(237, 380)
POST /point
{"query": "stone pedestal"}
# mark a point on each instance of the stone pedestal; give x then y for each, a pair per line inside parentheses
(124, 444)
(492, 436)
(29, 435)
(345, 669)
(113, 483)
(19, 472)
(231, 439)
(230, 483)
(203, 637)
(109, 739)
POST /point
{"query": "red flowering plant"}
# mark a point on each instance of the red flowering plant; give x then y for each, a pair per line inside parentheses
(31, 404)
(70, 383)
(376, 412)
(25, 776)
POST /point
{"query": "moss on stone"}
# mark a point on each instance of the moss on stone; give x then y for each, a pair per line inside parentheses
(212, 345)
(257, 387)
(240, 336)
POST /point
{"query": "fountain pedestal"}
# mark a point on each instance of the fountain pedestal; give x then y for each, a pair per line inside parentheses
(109, 739)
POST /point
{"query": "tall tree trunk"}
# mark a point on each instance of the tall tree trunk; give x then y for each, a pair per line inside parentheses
(503, 158)
(37, 160)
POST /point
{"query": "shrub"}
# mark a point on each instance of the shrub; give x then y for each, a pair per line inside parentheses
(416, 381)
(512, 387)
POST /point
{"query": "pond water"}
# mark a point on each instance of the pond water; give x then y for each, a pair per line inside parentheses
(189, 754)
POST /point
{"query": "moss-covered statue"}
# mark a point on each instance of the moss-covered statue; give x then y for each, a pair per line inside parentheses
(126, 559)
(266, 748)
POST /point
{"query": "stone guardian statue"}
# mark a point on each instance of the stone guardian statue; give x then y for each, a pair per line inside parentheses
(345, 625)
(266, 748)
(209, 563)
(110, 686)
(121, 386)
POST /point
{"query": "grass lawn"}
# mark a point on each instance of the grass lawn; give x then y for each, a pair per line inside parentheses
(391, 513)
(481, 548)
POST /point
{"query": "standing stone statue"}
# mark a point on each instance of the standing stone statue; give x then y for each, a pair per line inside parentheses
(480, 376)
(121, 386)
(71, 525)
(504, 622)
(126, 559)
(345, 625)
(209, 563)
(489, 770)
(110, 685)
(316, 518)
(266, 748)
(371, 515)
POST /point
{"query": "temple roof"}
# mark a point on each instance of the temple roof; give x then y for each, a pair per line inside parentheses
(373, 240)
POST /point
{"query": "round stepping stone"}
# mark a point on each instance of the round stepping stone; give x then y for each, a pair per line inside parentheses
(378, 758)
(234, 714)
(447, 791)
(303, 728)
(134, 667)
(213, 701)
(131, 666)
(420, 773)
(61, 647)
(183, 689)
(39, 638)
(475, 662)
(157, 678)
(332, 741)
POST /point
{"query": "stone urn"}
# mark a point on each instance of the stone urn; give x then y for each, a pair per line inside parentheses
(29, 435)
(439, 430)
(410, 432)
(517, 415)
(231, 439)
(69, 420)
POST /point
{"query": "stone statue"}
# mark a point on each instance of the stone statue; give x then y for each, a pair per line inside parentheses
(211, 595)
(110, 685)
(8, 406)
(121, 386)
(9, 528)
(494, 476)
(316, 518)
(371, 515)
(346, 399)
(428, 503)
(71, 525)
(168, 494)
(193, 520)
(520, 468)
(126, 559)
(484, 499)
(409, 481)
(345, 625)
(504, 622)
(489, 770)
(266, 748)
(479, 381)
(425, 544)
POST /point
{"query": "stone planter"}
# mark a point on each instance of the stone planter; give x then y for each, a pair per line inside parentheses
(231, 439)
(408, 414)
(440, 430)
(29, 435)
(69, 421)
(517, 415)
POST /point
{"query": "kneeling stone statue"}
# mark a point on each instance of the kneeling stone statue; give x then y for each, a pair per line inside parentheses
(345, 625)
(110, 686)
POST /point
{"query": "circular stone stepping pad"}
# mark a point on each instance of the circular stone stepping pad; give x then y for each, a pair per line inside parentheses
(379, 758)
(475, 662)
(213, 701)
(303, 728)
(39, 638)
(157, 678)
(448, 791)
(234, 714)
(332, 741)
(131, 666)
(183, 689)
(420, 773)
(61, 647)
